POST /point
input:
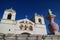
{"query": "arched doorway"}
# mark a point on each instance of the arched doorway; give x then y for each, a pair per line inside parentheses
(25, 33)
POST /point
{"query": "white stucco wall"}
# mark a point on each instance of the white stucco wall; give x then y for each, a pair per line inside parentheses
(4, 28)
(14, 28)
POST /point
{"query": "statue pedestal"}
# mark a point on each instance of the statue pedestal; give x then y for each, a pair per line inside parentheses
(57, 33)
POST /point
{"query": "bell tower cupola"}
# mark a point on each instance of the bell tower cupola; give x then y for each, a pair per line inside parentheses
(39, 19)
(9, 14)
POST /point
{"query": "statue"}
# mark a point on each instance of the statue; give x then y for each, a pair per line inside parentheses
(53, 27)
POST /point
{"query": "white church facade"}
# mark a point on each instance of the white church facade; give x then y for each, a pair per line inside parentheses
(8, 24)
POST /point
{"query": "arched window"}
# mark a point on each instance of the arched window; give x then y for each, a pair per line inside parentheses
(9, 16)
(40, 21)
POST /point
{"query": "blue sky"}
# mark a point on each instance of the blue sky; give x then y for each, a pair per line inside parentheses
(29, 7)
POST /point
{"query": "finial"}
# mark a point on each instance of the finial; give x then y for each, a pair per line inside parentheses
(50, 12)
(26, 16)
(11, 8)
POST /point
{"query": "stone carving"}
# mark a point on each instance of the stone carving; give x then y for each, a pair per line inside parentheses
(53, 27)
(21, 26)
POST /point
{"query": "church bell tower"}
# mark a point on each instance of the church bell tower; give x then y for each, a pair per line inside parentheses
(39, 19)
(39, 25)
(9, 15)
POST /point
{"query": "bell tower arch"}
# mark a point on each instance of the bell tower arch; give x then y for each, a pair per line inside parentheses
(39, 21)
(9, 16)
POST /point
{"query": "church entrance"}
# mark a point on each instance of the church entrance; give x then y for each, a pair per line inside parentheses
(25, 33)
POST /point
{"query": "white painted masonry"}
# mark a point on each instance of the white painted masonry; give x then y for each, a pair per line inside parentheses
(8, 24)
